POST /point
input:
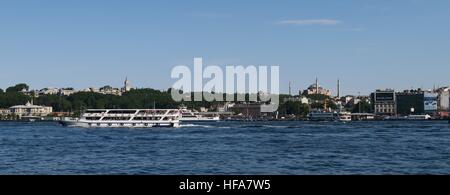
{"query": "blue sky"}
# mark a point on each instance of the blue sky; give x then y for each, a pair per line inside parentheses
(367, 44)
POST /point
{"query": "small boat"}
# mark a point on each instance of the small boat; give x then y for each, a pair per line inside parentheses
(419, 117)
(129, 118)
(319, 115)
(345, 116)
(31, 118)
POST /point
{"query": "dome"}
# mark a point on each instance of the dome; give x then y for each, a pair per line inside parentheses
(313, 86)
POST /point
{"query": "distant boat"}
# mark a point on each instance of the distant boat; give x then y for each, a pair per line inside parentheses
(130, 118)
(419, 117)
(329, 116)
(31, 118)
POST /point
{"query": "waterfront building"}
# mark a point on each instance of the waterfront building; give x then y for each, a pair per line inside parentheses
(384, 102)
(4, 112)
(444, 99)
(31, 110)
(317, 89)
(410, 102)
(430, 102)
(248, 110)
(444, 102)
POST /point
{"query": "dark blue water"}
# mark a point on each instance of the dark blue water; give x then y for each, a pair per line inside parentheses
(229, 148)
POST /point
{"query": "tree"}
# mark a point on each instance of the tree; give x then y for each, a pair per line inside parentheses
(106, 88)
(320, 104)
(11, 99)
(362, 107)
(58, 103)
(295, 108)
(1, 90)
(319, 97)
(18, 88)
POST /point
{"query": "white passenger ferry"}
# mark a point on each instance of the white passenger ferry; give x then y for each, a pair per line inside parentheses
(329, 116)
(143, 118)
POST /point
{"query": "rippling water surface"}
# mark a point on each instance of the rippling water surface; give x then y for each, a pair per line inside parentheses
(229, 148)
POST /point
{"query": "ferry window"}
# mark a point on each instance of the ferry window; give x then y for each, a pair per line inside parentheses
(122, 111)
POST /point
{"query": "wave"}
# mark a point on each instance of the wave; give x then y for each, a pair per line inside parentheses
(275, 126)
(195, 125)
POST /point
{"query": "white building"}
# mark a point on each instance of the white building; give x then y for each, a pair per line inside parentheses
(30, 110)
(4, 112)
(49, 91)
(444, 99)
(67, 91)
(107, 90)
(347, 99)
(90, 89)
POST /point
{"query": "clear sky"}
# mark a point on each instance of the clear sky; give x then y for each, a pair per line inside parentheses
(368, 44)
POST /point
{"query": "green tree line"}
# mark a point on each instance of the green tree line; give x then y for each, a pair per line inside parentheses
(136, 98)
(147, 98)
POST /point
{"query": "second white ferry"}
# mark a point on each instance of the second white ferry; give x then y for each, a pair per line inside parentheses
(329, 116)
(190, 116)
(144, 118)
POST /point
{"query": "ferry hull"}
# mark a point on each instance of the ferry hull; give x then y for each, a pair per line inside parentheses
(200, 119)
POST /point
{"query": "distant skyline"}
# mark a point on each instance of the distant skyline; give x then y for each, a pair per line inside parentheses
(368, 45)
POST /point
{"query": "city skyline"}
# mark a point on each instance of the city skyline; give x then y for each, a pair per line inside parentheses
(367, 45)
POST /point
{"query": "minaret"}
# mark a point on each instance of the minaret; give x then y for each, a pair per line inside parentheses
(290, 91)
(338, 88)
(317, 85)
(127, 85)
